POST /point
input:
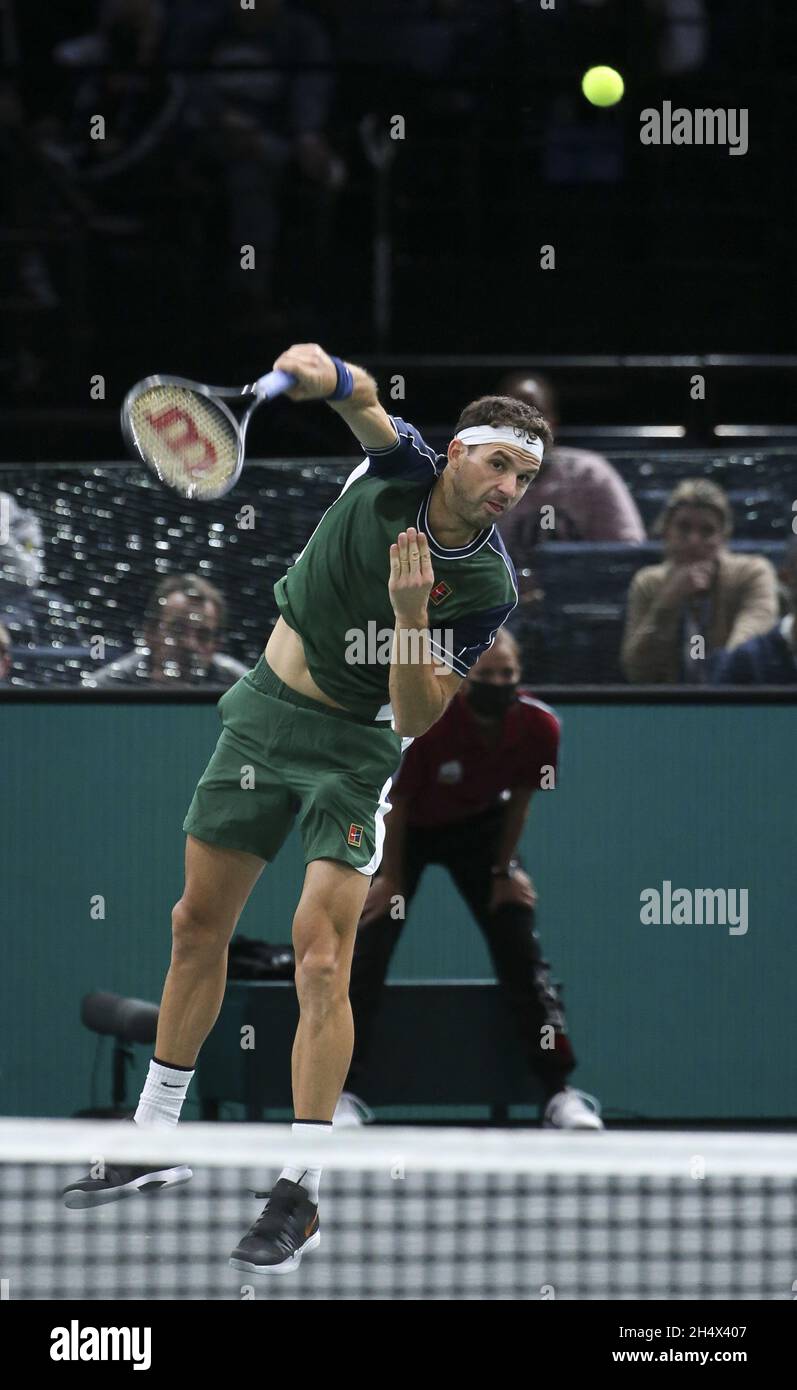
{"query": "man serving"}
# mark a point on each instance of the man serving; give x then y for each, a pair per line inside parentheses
(315, 732)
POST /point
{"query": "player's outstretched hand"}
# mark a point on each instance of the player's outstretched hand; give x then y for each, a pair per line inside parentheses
(411, 577)
(316, 377)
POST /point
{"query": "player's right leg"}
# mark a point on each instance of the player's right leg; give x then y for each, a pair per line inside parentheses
(218, 882)
(239, 817)
(217, 886)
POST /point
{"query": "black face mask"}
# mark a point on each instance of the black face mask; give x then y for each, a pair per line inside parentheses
(491, 700)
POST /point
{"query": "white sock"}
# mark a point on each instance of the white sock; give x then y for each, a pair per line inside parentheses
(309, 1178)
(162, 1098)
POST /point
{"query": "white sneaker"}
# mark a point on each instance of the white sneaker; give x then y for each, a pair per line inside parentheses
(351, 1111)
(571, 1109)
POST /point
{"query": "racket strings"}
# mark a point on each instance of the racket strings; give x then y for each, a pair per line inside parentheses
(187, 438)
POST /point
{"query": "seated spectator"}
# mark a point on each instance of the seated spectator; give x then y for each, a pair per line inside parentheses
(701, 591)
(184, 620)
(21, 545)
(118, 74)
(5, 655)
(772, 658)
(21, 567)
(261, 116)
(590, 501)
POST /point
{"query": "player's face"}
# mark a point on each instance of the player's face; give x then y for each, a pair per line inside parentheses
(693, 534)
(492, 479)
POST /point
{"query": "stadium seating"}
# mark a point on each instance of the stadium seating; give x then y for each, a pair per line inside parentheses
(111, 534)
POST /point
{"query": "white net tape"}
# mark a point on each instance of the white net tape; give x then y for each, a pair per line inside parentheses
(411, 1214)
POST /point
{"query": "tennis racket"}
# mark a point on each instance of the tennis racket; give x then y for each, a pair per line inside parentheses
(188, 435)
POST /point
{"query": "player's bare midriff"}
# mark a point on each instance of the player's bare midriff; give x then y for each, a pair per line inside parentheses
(285, 656)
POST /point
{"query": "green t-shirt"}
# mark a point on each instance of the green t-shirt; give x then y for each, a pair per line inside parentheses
(336, 596)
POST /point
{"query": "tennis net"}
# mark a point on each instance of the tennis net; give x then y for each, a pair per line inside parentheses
(410, 1214)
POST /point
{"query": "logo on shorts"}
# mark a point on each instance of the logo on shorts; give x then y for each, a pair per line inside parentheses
(440, 591)
(355, 835)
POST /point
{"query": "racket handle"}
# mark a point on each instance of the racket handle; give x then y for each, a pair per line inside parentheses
(273, 384)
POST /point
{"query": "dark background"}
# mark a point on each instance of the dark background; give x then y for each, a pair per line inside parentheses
(418, 257)
(681, 250)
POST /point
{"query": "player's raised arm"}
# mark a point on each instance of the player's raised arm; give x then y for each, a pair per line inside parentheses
(349, 390)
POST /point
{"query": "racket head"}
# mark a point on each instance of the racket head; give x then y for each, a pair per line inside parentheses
(185, 434)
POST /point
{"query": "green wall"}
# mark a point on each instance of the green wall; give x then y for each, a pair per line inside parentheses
(680, 1021)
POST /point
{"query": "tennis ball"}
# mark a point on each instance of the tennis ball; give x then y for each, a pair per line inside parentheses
(602, 86)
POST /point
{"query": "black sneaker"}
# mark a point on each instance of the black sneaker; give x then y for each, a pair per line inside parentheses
(123, 1182)
(287, 1228)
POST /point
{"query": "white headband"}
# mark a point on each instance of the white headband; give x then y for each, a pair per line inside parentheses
(507, 434)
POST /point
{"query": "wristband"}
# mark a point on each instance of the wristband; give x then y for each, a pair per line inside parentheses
(345, 382)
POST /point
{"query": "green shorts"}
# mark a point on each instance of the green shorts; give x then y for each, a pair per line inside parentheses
(282, 756)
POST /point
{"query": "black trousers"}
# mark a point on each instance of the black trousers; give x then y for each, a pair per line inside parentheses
(467, 850)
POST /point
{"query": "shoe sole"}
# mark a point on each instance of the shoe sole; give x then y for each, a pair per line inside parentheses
(288, 1266)
(159, 1181)
(574, 1129)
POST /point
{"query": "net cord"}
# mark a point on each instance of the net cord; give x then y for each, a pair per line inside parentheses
(683, 1153)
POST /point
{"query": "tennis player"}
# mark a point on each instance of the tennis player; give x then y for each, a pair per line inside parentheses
(400, 588)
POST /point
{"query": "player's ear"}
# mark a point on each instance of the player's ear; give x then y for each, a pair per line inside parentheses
(457, 451)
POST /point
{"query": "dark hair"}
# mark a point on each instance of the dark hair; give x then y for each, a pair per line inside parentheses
(193, 586)
(506, 410)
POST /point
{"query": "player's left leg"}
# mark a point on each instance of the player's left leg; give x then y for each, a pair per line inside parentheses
(340, 770)
(324, 929)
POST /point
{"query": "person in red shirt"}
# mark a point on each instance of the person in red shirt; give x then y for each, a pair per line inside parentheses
(461, 799)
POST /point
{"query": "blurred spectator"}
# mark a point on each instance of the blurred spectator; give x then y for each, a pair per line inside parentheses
(130, 176)
(436, 38)
(700, 591)
(266, 114)
(184, 621)
(590, 500)
(21, 547)
(679, 30)
(24, 203)
(772, 658)
(683, 36)
(5, 655)
(128, 33)
(21, 567)
(138, 99)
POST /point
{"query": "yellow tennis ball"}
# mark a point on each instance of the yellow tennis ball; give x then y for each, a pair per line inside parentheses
(602, 86)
